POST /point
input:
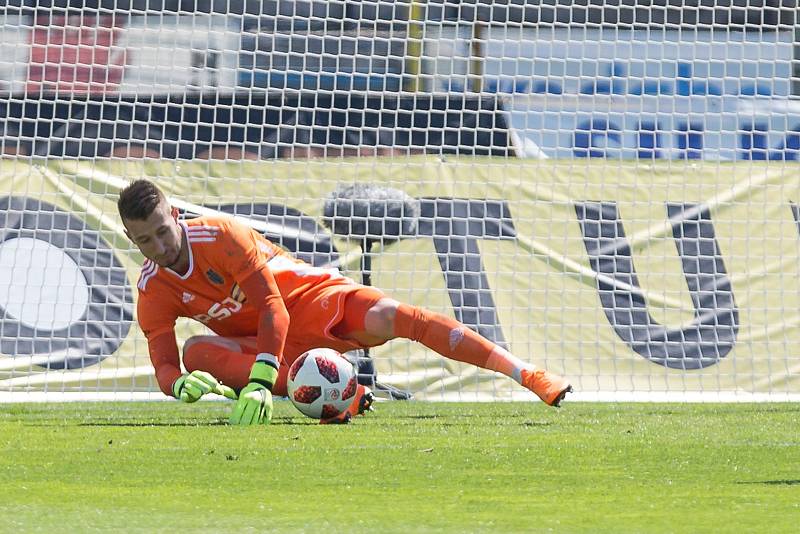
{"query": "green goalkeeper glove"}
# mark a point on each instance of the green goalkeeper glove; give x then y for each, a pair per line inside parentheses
(189, 388)
(255, 400)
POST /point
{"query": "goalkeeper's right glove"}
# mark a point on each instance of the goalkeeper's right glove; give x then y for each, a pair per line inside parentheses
(255, 400)
(189, 388)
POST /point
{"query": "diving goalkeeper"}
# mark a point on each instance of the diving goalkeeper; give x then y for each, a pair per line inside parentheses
(267, 308)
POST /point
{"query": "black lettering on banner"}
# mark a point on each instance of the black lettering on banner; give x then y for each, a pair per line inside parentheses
(455, 225)
(713, 331)
(795, 213)
(107, 318)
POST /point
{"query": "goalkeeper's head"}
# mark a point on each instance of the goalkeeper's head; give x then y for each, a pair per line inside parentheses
(152, 224)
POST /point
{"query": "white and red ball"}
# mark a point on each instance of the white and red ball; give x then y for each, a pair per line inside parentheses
(321, 383)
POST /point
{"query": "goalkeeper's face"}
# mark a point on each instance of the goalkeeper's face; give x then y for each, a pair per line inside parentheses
(159, 236)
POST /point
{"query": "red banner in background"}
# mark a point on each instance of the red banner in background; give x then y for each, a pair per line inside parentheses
(77, 54)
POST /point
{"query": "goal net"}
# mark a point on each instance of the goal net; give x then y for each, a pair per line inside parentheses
(609, 191)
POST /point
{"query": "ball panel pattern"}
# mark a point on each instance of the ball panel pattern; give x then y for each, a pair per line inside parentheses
(321, 383)
(350, 389)
(307, 394)
(328, 411)
(296, 366)
(327, 369)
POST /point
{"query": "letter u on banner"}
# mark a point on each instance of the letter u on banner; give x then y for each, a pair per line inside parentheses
(712, 333)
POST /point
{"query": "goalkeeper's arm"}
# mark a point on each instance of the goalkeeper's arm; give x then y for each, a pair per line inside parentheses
(166, 361)
(255, 400)
(187, 387)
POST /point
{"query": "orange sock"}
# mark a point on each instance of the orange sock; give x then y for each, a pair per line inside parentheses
(228, 365)
(456, 341)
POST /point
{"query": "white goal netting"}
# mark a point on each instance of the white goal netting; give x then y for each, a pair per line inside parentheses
(608, 190)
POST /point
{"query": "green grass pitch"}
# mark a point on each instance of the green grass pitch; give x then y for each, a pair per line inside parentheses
(408, 467)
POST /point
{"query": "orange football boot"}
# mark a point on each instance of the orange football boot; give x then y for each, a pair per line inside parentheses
(362, 402)
(549, 387)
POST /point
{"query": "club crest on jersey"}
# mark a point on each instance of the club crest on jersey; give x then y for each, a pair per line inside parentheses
(215, 277)
(187, 297)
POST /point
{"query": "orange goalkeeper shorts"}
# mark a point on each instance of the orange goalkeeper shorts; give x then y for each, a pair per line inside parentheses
(323, 314)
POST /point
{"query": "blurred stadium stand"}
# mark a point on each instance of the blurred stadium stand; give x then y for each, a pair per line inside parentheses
(307, 75)
(730, 14)
(189, 126)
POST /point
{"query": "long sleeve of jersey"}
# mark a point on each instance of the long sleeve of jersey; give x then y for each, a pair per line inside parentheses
(157, 321)
(165, 359)
(247, 260)
(273, 320)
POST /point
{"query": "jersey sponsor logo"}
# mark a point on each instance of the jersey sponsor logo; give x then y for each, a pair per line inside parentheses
(237, 294)
(215, 277)
(219, 311)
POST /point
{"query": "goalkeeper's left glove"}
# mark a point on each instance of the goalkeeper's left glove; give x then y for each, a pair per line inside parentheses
(255, 400)
(189, 388)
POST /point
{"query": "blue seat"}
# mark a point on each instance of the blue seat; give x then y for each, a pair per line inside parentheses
(690, 140)
(789, 150)
(612, 82)
(753, 142)
(546, 86)
(492, 85)
(648, 140)
(686, 85)
(594, 136)
(755, 89)
(653, 87)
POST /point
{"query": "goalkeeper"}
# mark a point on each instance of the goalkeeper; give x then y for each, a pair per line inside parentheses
(266, 308)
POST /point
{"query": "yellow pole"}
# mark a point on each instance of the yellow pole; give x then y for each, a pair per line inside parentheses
(476, 53)
(416, 27)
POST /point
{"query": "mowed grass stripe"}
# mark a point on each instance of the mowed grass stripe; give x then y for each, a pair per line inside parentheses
(408, 467)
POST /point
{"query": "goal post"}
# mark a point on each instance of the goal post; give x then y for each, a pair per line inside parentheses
(609, 194)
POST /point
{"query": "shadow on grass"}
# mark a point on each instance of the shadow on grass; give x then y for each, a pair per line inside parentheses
(722, 409)
(788, 482)
(465, 415)
(154, 424)
(450, 420)
(144, 424)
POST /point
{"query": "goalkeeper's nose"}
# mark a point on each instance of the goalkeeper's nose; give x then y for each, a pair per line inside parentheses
(160, 248)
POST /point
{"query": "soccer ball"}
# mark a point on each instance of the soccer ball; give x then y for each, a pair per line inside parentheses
(321, 383)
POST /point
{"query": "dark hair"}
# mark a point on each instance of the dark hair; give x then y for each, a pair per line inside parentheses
(138, 200)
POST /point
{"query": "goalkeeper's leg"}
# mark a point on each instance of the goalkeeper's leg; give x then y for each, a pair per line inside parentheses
(228, 359)
(387, 319)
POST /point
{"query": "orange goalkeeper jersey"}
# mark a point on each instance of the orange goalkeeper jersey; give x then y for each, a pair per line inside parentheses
(222, 253)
